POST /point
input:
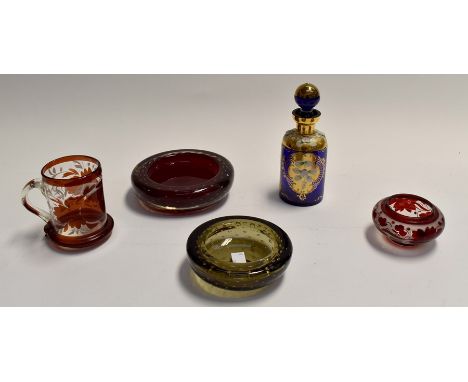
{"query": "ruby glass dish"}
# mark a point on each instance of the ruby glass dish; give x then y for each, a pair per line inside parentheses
(182, 181)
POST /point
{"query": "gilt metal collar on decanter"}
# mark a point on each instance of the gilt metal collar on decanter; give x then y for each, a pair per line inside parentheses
(307, 96)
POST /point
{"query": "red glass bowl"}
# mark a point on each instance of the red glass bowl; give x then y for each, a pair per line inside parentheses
(182, 181)
(408, 219)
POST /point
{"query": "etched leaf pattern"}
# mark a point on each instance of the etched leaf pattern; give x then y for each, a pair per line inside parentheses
(67, 202)
(74, 169)
(410, 207)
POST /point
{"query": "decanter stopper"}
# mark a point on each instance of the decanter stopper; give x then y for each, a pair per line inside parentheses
(307, 96)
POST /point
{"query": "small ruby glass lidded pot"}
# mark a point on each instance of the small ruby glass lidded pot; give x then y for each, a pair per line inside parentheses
(408, 219)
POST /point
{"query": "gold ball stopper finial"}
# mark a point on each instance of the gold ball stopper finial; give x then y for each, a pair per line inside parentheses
(307, 96)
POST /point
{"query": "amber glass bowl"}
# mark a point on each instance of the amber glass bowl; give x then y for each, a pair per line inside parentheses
(239, 253)
(182, 181)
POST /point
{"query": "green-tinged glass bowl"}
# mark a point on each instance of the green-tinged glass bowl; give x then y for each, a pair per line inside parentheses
(212, 249)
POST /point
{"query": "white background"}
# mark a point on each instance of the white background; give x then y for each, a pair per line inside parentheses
(208, 36)
(386, 134)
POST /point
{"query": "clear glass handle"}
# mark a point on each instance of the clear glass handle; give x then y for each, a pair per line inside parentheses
(35, 183)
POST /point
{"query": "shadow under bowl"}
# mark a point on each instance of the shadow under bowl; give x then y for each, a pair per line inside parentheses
(182, 181)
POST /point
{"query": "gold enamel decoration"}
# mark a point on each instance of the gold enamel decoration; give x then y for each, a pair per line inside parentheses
(305, 173)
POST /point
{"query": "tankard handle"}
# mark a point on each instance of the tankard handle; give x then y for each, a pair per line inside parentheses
(35, 183)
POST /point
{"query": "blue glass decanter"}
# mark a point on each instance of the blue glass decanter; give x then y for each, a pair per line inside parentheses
(304, 152)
